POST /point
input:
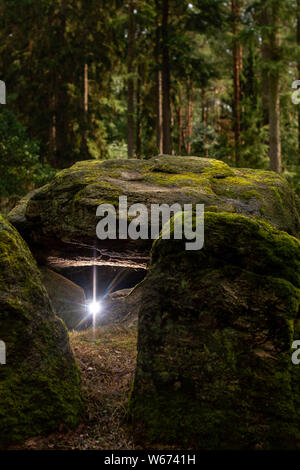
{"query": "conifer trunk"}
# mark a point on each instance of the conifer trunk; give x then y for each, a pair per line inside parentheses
(130, 82)
(85, 94)
(298, 67)
(274, 93)
(166, 80)
(139, 113)
(159, 110)
(180, 130)
(237, 58)
(204, 119)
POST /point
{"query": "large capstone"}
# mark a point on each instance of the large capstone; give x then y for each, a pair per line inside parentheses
(40, 382)
(59, 220)
(216, 327)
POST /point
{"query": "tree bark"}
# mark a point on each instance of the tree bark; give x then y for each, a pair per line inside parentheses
(274, 123)
(130, 82)
(265, 57)
(190, 110)
(52, 130)
(204, 120)
(85, 94)
(274, 92)
(61, 102)
(159, 123)
(166, 80)
(139, 114)
(298, 67)
(159, 110)
(180, 129)
(237, 57)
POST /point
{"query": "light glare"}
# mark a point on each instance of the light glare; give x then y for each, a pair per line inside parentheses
(94, 307)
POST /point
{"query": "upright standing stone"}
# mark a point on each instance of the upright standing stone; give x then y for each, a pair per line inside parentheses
(40, 382)
(216, 326)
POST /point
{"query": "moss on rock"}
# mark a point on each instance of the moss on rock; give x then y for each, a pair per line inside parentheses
(40, 383)
(64, 212)
(214, 366)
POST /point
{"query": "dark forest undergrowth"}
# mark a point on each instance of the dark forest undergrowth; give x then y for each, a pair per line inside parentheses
(107, 360)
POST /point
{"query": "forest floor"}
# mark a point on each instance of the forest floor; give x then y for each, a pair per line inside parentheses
(107, 361)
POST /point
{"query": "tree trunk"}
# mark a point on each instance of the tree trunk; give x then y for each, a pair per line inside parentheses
(85, 94)
(298, 66)
(274, 92)
(159, 110)
(274, 123)
(63, 157)
(204, 121)
(130, 83)
(166, 80)
(52, 131)
(139, 114)
(190, 110)
(180, 129)
(265, 57)
(159, 122)
(237, 56)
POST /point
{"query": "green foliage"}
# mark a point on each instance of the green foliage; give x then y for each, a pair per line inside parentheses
(45, 82)
(20, 165)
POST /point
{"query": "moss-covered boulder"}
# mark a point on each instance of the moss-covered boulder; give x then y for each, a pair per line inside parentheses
(216, 326)
(40, 382)
(68, 299)
(59, 220)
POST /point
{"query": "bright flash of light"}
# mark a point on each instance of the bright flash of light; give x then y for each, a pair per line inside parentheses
(94, 307)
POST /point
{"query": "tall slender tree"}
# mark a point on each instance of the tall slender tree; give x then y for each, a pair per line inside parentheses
(237, 65)
(85, 94)
(166, 79)
(274, 89)
(130, 81)
(159, 99)
(298, 69)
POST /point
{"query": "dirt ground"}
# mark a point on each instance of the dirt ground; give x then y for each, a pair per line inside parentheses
(107, 360)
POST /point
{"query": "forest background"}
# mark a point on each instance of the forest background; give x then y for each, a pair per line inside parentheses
(98, 79)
